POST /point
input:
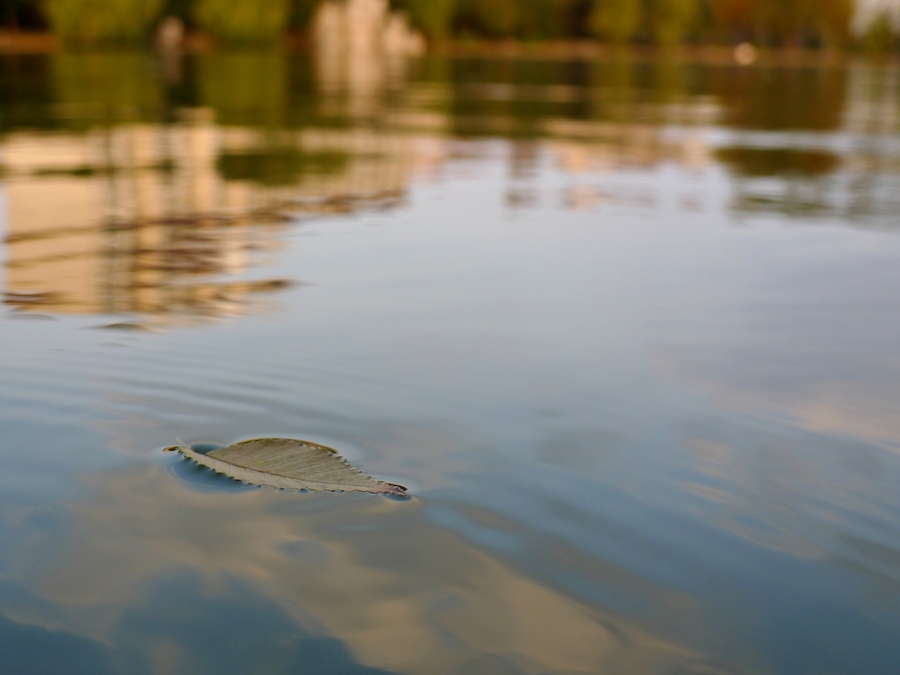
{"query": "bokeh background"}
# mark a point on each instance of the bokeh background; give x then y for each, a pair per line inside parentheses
(828, 24)
(612, 286)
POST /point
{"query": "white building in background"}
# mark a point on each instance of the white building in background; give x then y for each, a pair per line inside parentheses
(365, 26)
(869, 11)
(361, 48)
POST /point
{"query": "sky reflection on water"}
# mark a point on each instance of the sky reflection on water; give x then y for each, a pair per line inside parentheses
(629, 331)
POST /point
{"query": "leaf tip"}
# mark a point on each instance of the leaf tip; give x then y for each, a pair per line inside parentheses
(396, 490)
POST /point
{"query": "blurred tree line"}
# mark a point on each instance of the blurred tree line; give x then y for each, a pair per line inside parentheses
(123, 21)
(811, 23)
(806, 23)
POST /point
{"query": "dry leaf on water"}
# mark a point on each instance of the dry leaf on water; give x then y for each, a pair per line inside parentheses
(290, 464)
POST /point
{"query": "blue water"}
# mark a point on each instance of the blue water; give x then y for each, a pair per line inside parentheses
(629, 332)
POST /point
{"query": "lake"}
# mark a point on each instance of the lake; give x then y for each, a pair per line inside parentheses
(628, 330)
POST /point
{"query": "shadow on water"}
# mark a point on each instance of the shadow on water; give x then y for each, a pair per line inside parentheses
(200, 477)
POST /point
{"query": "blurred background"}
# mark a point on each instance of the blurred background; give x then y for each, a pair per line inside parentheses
(184, 136)
(821, 24)
(612, 285)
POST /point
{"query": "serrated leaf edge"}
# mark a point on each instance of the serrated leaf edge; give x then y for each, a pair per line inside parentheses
(265, 479)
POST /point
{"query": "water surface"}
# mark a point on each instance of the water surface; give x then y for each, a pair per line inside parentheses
(628, 331)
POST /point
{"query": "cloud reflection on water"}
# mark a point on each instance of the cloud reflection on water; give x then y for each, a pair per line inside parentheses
(403, 595)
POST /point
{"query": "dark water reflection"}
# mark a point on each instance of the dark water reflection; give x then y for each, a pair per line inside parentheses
(649, 422)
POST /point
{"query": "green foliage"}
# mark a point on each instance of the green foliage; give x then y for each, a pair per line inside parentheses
(243, 21)
(881, 35)
(528, 19)
(784, 22)
(670, 19)
(808, 23)
(432, 17)
(93, 21)
(615, 20)
(495, 19)
(543, 18)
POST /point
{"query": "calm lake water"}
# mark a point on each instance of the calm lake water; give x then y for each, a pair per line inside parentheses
(629, 331)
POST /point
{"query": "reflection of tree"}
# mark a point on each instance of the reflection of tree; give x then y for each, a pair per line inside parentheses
(158, 220)
(279, 165)
(161, 268)
(860, 185)
(246, 88)
(613, 88)
(807, 98)
(100, 87)
(628, 91)
(862, 198)
(796, 198)
(26, 100)
(804, 184)
(778, 161)
(262, 130)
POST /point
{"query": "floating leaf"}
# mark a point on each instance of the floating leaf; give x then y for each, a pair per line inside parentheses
(288, 463)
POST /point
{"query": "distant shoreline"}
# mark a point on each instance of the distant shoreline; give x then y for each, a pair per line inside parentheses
(32, 42)
(590, 49)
